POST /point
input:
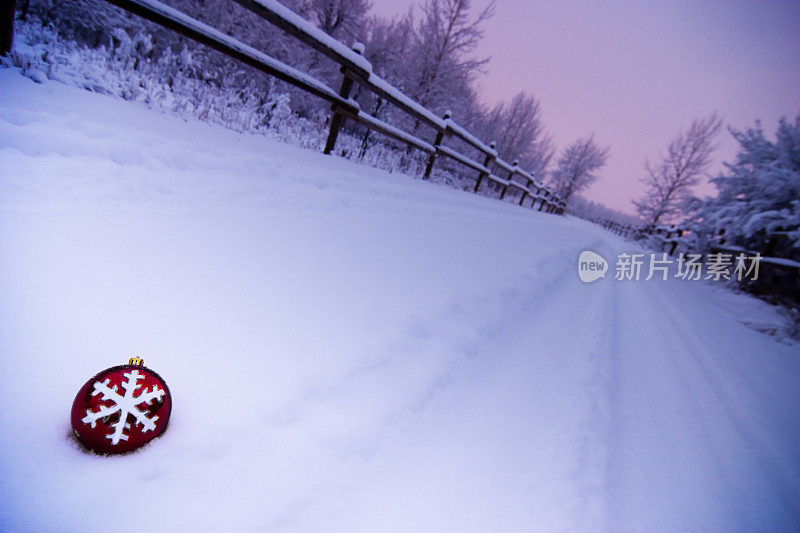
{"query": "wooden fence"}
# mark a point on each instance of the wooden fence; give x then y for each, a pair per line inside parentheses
(355, 69)
(668, 236)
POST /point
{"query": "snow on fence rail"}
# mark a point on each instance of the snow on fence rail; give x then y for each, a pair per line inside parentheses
(355, 69)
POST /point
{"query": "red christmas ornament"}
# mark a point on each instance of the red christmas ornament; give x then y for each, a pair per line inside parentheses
(121, 408)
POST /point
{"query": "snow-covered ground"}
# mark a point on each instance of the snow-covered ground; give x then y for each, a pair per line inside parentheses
(350, 350)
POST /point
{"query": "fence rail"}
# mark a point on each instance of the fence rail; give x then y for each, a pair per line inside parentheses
(355, 68)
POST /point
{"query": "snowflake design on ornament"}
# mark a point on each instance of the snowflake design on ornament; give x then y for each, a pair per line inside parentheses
(125, 405)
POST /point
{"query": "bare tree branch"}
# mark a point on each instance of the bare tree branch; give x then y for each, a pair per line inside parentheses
(669, 181)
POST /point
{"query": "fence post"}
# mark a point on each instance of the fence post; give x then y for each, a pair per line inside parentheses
(7, 26)
(436, 143)
(527, 188)
(515, 165)
(486, 162)
(543, 200)
(344, 91)
(538, 192)
(673, 247)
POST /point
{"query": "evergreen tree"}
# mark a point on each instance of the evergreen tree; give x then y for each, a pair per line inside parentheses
(758, 195)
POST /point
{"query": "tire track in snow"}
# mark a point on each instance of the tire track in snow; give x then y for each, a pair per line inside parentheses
(676, 431)
(431, 353)
(707, 383)
(515, 407)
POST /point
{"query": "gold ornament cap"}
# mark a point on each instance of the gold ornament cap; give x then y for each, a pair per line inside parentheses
(136, 360)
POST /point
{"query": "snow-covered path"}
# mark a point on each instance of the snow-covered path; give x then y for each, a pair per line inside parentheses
(707, 401)
(350, 350)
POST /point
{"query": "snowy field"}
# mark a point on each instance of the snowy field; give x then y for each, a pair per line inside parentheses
(350, 350)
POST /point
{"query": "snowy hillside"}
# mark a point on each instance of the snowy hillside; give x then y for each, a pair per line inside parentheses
(351, 350)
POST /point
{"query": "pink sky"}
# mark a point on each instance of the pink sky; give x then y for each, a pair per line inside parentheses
(635, 73)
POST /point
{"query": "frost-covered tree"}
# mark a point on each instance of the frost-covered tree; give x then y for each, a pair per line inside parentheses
(518, 129)
(669, 182)
(758, 195)
(341, 19)
(442, 59)
(430, 59)
(577, 166)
